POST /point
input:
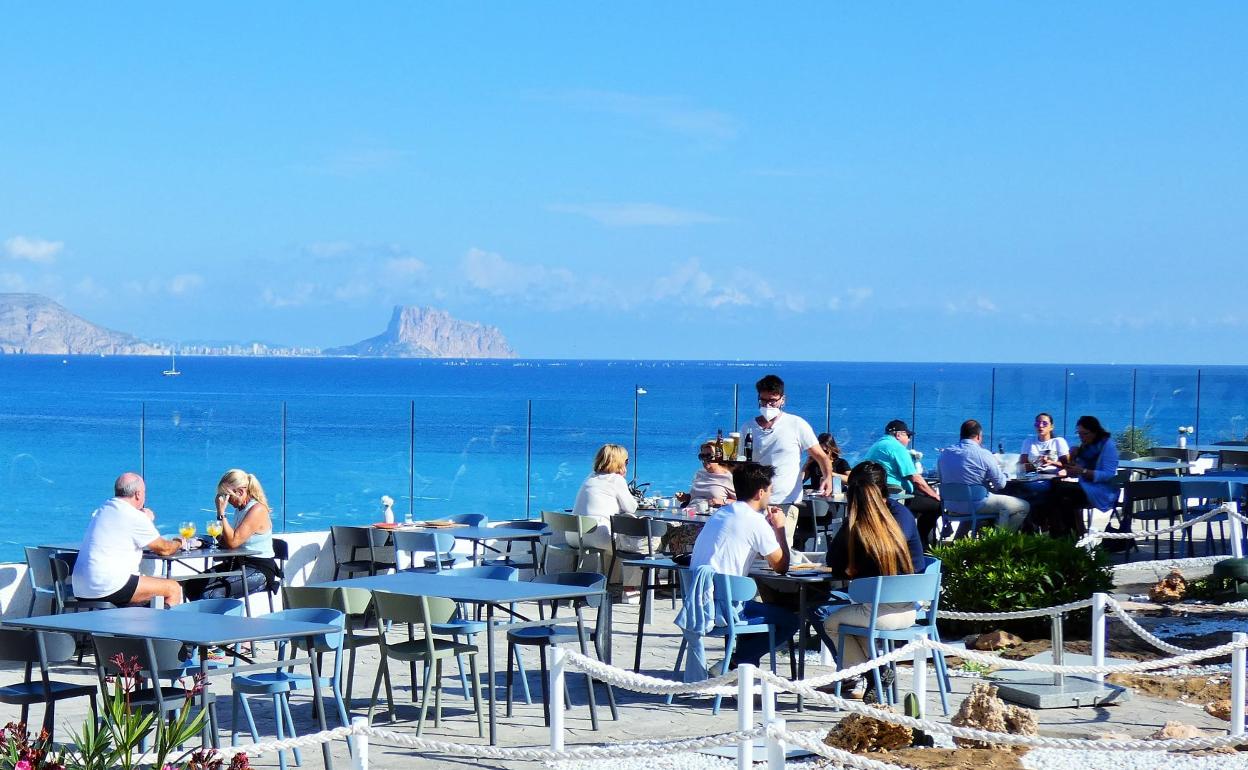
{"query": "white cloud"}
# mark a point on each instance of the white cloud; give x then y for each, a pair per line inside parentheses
(406, 266)
(634, 214)
(497, 276)
(977, 305)
(669, 113)
(850, 299)
(185, 283)
(298, 295)
(32, 249)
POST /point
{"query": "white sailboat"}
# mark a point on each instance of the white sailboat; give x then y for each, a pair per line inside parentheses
(172, 371)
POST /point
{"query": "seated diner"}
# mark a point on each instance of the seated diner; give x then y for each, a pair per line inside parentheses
(1086, 480)
(107, 567)
(713, 481)
(251, 528)
(734, 537)
(1043, 452)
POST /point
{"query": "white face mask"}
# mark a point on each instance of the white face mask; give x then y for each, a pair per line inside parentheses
(769, 413)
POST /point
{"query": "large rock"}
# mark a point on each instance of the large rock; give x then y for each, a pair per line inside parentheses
(422, 332)
(996, 640)
(1219, 709)
(983, 710)
(1177, 730)
(861, 734)
(1169, 589)
(30, 323)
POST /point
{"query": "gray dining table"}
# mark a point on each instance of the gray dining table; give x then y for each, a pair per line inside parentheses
(202, 630)
(491, 594)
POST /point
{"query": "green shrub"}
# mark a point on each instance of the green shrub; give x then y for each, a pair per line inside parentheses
(1137, 438)
(1003, 571)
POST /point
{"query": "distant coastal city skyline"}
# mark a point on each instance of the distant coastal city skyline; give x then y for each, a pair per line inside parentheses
(809, 182)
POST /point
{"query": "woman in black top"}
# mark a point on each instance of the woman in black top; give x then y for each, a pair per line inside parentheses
(880, 537)
(812, 474)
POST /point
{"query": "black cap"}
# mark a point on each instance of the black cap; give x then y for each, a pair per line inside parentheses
(895, 426)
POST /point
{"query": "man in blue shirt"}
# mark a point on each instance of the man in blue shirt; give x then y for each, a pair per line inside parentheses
(967, 462)
(893, 452)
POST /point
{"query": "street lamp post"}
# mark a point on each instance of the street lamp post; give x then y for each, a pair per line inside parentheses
(638, 392)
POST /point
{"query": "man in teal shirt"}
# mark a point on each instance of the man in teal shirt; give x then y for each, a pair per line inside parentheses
(892, 451)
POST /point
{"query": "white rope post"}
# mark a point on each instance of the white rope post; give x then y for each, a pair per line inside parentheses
(1098, 634)
(776, 749)
(920, 674)
(745, 715)
(769, 701)
(1237, 529)
(555, 689)
(359, 759)
(1238, 658)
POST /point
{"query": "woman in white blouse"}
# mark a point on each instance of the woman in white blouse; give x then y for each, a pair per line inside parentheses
(1043, 452)
(603, 495)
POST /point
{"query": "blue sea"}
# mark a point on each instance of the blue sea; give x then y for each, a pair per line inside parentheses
(328, 437)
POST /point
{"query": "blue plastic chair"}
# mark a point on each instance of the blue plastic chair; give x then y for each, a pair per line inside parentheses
(279, 684)
(232, 607)
(896, 589)
(730, 592)
(505, 559)
(469, 627)
(969, 496)
(547, 636)
(1212, 493)
(471, 520)
(439, 544)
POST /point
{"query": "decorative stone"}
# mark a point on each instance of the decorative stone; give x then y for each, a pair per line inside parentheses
(1219, 709)
(1177, 730)
(861, 734)
(996, 640)
(1169, 589)
(1111, 736)
(982, 709)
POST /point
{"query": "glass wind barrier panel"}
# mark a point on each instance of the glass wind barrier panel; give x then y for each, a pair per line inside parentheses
(1103, 392)
(60, 452)
(865, 398)
(189, 444)
(953, 394)
(566, 435)
(1223, 404)
(342, 455)
(470, 457)
(673, 420)
(1165, 398)
(1021, 393)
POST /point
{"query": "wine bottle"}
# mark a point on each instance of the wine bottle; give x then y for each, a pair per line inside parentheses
(749, 446)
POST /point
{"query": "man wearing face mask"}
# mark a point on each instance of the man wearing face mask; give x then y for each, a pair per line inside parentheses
(779, 438)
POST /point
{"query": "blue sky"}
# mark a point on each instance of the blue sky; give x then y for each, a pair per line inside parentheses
(964, 182)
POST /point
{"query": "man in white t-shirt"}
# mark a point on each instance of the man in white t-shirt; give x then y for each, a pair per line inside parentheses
(734, 537)
(778, 439)
(107, 567)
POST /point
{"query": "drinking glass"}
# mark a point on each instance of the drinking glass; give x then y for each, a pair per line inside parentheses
(213, 528)
(187, 531)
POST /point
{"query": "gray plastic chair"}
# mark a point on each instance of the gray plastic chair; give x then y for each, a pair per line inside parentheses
(39, 575)
(158, 655)
(23, 647)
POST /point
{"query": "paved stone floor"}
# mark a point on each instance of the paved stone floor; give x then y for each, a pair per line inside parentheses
(641, 717)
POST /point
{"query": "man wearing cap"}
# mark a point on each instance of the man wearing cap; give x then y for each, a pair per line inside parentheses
(892, 451)
(779, 438)
(967, 462)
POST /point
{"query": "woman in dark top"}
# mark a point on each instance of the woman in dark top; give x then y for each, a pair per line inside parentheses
(880, 537)
(812, 474)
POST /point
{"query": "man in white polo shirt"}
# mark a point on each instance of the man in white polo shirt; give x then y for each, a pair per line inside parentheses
(779, 438)
(734, 537)
(107, 568)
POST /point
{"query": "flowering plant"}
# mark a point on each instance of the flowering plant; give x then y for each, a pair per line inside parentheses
(1186, 430)
(20, 751)
(111, 743)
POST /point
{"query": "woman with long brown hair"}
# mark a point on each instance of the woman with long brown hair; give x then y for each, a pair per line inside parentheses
(879, 537)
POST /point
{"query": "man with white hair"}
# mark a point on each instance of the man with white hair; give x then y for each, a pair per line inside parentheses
(107, 568)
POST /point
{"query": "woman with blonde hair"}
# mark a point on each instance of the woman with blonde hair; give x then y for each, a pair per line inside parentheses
(879, 537)
(250, 528)
(602, 495)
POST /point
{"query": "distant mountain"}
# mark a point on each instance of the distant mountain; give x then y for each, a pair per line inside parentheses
(30, 323)
(423, 332)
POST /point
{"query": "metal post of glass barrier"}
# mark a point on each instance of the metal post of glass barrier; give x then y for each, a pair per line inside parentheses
(143, 439)
(528, 458)
(1066, 401)
(283, 466)
(992, 409)
(1197, 434)
(914, 400)
(411, 460)
(827, 407)
(1134, 436)
(735, 418)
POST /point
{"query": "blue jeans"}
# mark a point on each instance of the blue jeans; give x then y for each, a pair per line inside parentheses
(232, 586)
(752, 647)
